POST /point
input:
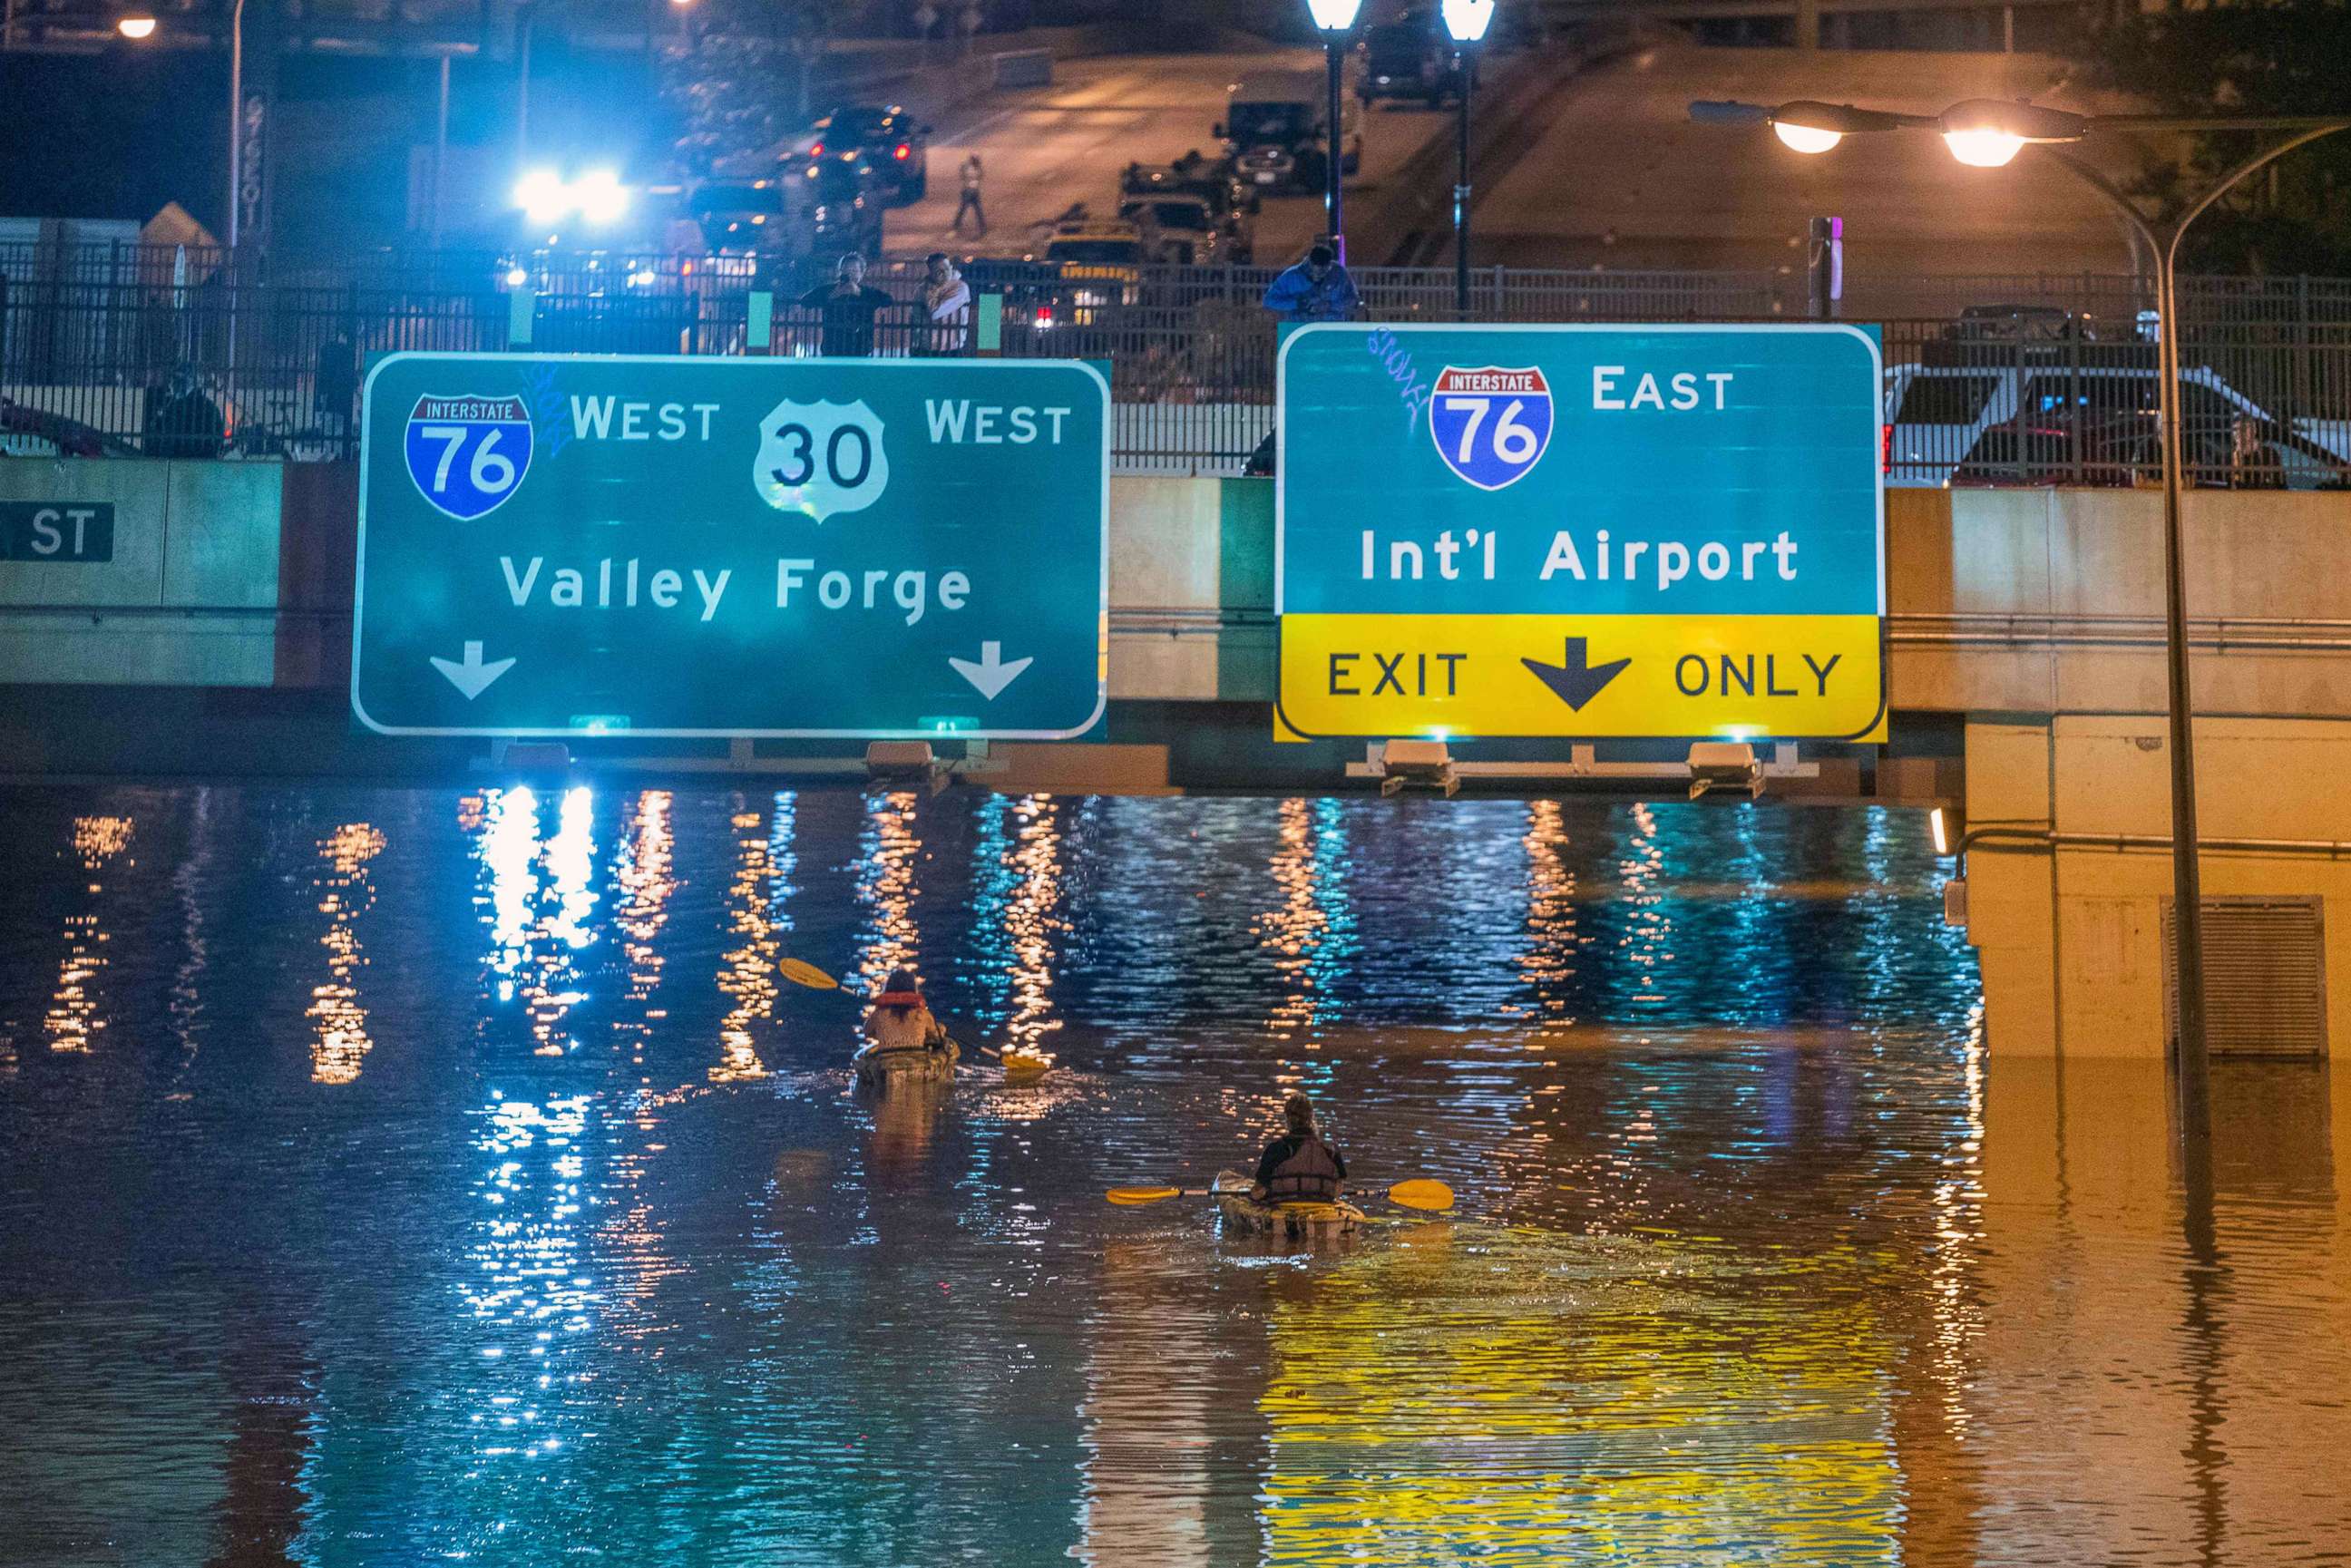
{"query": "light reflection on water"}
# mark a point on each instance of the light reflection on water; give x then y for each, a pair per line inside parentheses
(340, 1019)
(73, 1022)
(549, 1216)
(753, 896)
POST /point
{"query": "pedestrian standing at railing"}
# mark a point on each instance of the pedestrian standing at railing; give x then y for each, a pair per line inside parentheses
(1315, 289)
(847, 307)
(2254, 463)
(946, 307)
(334, 390)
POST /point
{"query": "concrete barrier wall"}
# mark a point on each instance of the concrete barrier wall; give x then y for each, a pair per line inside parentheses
(2003, 600)
(2045, 601)
(190, 594)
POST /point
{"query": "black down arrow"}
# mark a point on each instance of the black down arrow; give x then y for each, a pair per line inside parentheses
(1573, 680)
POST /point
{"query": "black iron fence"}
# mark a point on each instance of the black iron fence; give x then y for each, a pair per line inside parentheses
(1990, 380)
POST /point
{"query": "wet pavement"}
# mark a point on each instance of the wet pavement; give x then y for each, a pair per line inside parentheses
(397, 1176)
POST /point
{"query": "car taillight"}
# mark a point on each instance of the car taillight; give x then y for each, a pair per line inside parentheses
(905, 152)
(1044, 313)
(817, 151)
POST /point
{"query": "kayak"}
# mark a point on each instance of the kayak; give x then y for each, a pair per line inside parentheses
(1297, 1221)
(1019, 1064)
(882, 1068)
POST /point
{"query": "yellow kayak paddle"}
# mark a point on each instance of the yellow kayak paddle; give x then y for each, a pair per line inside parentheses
(801, 972)
(1422, 1194)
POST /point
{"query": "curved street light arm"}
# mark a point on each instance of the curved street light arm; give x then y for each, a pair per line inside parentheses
(2312, 131)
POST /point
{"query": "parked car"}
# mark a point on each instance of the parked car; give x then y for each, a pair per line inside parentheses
(1089, 265)
(2126, 449)
(1214, 180)
(1178, 230)
(748, 217)
(886, 139)
(1937, 413)
(1273, 129)
(1407, 58)
(2022, 324)
(844, 201)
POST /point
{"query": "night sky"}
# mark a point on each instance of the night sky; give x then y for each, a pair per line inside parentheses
(117, 135)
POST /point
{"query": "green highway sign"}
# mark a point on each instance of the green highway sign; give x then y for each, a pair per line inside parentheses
(559, 545)
(1581, 530)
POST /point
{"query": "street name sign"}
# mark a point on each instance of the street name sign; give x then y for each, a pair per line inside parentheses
(1586, 531)
(559, 545)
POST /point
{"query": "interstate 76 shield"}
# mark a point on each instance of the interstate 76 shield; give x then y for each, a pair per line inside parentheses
(467, 453)
(1491, 425)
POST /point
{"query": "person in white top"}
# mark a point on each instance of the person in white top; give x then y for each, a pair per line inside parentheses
(946, 301)
(901, 1020)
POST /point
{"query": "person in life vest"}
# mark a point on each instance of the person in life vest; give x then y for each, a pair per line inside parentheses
(1299, 1166)
(900, 1019)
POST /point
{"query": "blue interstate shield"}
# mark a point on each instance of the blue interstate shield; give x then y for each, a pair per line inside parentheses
(1490, 425)
(469, 455)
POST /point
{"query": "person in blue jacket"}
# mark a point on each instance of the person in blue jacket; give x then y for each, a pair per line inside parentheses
(1315, 289)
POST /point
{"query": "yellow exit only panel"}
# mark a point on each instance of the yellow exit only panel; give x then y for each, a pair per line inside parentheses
(1589, 676)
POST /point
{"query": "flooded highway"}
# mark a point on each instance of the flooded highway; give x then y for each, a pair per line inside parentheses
(397, 1176)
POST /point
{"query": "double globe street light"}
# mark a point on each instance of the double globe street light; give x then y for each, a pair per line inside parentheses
(1335, 19)
(1988, 133)
(1465, 22)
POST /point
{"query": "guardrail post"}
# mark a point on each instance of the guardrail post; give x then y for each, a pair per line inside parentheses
(988, 336)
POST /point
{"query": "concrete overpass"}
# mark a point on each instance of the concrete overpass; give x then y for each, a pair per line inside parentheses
(2025, 651)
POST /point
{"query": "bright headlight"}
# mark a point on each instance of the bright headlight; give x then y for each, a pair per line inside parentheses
(542, 196)
(601, 197)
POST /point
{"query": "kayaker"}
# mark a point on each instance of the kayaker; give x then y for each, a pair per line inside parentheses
(900, 1019)
(1299, 1166)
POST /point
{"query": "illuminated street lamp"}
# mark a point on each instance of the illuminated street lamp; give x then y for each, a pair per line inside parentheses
(1336, 19)
(1465, 22)
(139, 25)
(1987, 134)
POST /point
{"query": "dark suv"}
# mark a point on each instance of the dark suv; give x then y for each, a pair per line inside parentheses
(889, 140)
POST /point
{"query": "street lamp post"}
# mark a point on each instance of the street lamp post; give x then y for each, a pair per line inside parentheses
(526, 23)
(1336, 19)
(236, 117)
(1987, 134)
(1465, 22)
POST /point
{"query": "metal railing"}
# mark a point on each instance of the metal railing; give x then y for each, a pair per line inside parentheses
(2046, 378)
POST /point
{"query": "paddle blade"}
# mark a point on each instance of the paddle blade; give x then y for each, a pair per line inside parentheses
(1134, 1196)
(1423, 1194)
(801, 973)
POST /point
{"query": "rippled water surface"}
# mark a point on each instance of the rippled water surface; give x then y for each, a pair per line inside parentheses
(399, 1175)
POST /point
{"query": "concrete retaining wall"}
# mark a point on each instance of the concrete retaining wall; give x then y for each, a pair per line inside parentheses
(2072, 941)
(189, 597)
(2003, 600)
(2048, 601)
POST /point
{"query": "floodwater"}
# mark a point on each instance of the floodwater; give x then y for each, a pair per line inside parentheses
(393, 1177)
